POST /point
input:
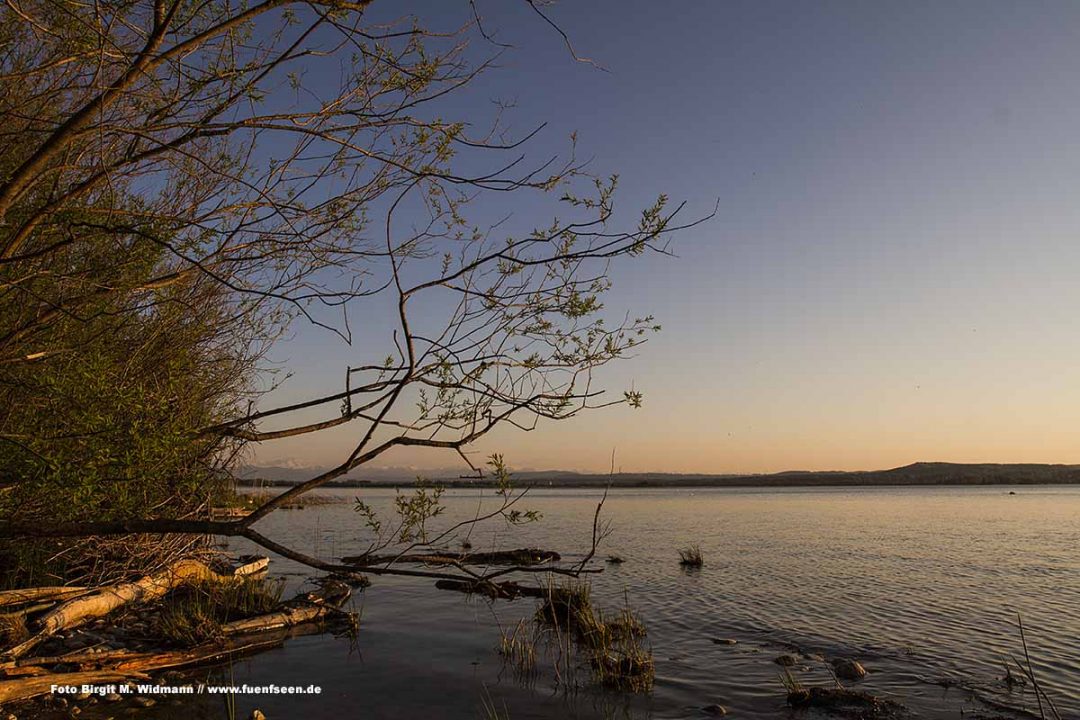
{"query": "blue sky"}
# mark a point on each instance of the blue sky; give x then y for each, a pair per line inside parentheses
(891, 274)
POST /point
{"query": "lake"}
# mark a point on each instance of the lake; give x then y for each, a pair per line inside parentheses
(922, 585)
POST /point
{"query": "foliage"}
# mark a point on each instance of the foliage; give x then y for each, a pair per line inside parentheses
(172, 197)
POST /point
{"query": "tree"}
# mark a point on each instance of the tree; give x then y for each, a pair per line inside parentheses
(168, 173)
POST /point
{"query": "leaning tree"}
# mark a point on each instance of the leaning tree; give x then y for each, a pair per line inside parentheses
(179, 182)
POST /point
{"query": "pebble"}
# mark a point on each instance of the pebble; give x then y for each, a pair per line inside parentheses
(83, 696)
(725, 641)
(113, 697)
(257, 715)
(144, 701)
(717, 710)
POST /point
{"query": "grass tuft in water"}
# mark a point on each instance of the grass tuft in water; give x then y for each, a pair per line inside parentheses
(518, 648)
(691, 557)
(614, 649)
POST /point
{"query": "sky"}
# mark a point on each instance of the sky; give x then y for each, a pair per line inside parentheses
(890, 276)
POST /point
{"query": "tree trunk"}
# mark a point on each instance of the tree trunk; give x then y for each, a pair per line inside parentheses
(102, 601)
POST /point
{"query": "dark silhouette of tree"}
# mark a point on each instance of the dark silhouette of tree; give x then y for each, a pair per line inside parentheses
(174, 192)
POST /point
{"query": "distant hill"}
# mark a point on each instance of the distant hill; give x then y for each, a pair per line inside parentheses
(920, 473)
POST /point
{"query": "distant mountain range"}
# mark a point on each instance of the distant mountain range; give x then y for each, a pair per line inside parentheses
(920, 473)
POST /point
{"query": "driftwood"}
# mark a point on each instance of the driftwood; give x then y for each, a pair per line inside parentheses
(26, 688)
(521, 556)
(507, 590)
(102, 601)
(131, 666)
(28, 678)
(204, 654)
(40, 594)
(304, 608)
(288, 617)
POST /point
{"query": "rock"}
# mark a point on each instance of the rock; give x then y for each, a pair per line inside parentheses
(113, 697)
(143, 701)
(75, 711)
(614, 559)
(717, 710)
(257, 715)
(725, 641)
(83, 696)
(847, 669)
(785, 660)
(61, 702)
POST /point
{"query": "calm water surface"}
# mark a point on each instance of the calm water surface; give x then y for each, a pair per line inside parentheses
(921, 584)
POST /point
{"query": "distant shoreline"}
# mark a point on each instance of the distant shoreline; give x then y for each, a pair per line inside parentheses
(917, 474)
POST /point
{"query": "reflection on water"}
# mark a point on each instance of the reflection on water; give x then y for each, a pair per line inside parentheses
(921, 584)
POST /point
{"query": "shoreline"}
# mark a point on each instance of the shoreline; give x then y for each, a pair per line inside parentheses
(916, 474)
(598, 485)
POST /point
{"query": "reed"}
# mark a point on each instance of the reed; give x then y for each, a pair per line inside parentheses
(1029, 672)
(614, 649)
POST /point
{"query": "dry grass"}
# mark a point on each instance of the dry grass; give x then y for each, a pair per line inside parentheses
(13, 629)
(691, 557)
(517, 647)
(195, 613)
(614, 650)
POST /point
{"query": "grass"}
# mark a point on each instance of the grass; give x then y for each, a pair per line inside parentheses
(518, 649)
(790, 683)
(195, 613)
(690, 557)
(13, 629)
(614, 649)
(1028, 671)
(491, 711)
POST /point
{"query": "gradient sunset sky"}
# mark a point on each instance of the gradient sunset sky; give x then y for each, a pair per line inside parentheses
(892, 272)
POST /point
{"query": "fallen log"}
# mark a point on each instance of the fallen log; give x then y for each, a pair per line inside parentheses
(135, 666)
(521, 556)
(30, 687)
(28, 678)
(102, 601)
(508, 590)
(285, 618)
(304, 608)
(83, 659)
(39, 594)
(204, 654)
